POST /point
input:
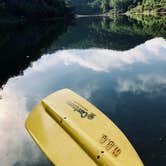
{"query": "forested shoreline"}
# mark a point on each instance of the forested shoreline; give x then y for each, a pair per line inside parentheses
(65, 8)
(149, 7)
(119, 6)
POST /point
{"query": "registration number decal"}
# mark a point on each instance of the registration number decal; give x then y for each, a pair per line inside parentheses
(110, 145)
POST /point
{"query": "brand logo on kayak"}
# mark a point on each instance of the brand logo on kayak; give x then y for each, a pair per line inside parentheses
(77, 107)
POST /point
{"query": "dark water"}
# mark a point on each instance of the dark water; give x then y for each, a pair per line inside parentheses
(117, 64)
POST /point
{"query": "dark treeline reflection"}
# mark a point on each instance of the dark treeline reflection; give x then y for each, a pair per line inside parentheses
(153, 25)
(121, 33)
(20, 44)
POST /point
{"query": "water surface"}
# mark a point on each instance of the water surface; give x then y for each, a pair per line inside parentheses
(119, 68)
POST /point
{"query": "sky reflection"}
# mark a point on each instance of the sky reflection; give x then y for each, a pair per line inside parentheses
(119, 83)
(104, 59)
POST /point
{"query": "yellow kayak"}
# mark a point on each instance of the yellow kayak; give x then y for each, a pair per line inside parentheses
(73, 132)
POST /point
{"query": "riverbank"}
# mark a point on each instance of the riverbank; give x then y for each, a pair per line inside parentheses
(92, 15)
(129, 14)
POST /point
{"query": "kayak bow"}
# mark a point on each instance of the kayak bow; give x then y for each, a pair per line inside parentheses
(71, 132)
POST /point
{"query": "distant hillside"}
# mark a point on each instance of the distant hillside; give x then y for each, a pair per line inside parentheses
(60, 8)
(150, 6)
(35, 8)
(102, 6)
(118, 6)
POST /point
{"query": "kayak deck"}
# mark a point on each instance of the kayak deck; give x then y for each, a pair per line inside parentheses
(71, 132)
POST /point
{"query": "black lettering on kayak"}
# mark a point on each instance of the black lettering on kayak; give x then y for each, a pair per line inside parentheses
(84, 113)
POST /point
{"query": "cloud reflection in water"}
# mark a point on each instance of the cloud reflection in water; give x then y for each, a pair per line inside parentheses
(85, 71)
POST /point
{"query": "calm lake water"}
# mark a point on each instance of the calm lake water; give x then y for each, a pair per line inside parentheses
(119, 65)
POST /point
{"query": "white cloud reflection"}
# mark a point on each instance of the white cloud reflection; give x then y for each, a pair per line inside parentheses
(148, 83)
(16, 147)
(106, 60)
(43, 77)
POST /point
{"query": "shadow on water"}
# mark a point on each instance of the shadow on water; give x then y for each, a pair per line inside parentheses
(20, 44)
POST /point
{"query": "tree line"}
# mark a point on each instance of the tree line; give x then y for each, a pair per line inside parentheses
(126, 5)
(36, 8)
(61, 8)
